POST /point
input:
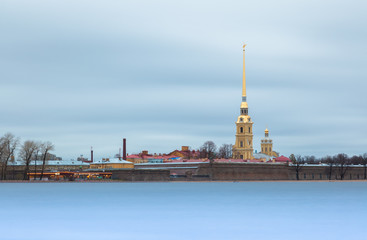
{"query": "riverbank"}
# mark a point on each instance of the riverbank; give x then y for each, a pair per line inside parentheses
(120, 181)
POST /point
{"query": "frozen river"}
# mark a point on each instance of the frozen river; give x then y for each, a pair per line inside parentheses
(144, 211)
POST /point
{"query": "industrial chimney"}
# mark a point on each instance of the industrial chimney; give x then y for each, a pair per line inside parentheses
(124, 149)
(91, 154)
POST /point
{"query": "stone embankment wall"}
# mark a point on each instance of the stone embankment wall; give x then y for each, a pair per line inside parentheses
(140, 175)
(15, 172)
(213, 172)
(248, 172)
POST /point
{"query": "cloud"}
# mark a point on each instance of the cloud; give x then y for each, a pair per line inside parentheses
(166, 74)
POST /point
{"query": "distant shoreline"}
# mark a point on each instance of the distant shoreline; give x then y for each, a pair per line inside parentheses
(229, 181)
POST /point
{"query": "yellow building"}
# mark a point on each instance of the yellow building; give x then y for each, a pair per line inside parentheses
(185, 151)
(243, 148)
(111, 163)
(136, 159)
(267, 145)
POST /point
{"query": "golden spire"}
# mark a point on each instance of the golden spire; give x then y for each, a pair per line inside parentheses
(244, 77)
(244, 106)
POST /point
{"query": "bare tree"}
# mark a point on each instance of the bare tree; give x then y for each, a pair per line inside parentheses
(297, 163)
(225, 151)
(310, 159)
(45, 149)
(364, 163)
(8, 145)
(35, 158)
(355, 160)
(26, 153)
(208, 150)
(342, 161)
(189, 154)
(330, 162)
(2, 153)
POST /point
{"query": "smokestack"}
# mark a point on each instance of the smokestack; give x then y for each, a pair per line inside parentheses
(91, 154)
(124, 149)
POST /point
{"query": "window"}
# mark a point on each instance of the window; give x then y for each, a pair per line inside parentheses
(266, 149)
(304, 175)
(241, 144)
(313, 176)
(241, 156)
(249, 129)
(241, 130)
(320, 176)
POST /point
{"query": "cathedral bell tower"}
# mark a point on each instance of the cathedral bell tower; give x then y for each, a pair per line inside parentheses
(243, 147)
(267, 144)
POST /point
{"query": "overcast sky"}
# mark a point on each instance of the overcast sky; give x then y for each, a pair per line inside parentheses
(168, 73)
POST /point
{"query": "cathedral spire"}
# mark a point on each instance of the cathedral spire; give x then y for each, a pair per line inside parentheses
(244, 106)
(244, 77)
(243, 147)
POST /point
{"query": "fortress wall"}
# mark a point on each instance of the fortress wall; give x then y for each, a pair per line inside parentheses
(215, 172)
(140, 175)
(258, 172)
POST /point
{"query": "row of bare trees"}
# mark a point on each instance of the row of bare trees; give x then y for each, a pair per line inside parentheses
(209, 150)
(27, 151)
(340, 163)
(8, 146)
